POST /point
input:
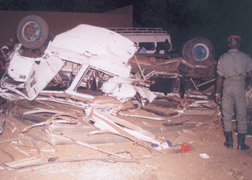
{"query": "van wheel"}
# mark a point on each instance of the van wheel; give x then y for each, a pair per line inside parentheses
(32, 31)
(198, 51)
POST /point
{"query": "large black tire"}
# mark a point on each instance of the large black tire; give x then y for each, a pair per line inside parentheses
(32, 31)
(198, 51)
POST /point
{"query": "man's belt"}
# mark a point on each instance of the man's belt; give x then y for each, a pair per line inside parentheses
(236, 77)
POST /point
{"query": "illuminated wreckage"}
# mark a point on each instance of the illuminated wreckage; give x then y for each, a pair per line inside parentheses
(74, 62)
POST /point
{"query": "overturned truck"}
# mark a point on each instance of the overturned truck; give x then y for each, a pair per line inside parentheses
(80, 59)
(77, 65)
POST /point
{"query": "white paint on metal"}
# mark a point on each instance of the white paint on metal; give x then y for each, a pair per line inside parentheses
(41, 74)
(119, 88)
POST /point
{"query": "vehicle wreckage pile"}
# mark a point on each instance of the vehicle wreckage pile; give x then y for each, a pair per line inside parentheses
(98, 76)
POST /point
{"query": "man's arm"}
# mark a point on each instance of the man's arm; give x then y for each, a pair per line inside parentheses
(219, 83)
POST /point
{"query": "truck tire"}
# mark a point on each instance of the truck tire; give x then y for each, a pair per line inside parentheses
(198, 51)
(32, 31)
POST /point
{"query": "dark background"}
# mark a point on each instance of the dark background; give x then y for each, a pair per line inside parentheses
(183, 19)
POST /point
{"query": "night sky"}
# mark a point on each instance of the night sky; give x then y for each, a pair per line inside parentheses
(183, 19)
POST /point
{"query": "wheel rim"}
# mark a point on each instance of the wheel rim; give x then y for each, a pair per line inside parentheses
(31, 31)
(200, 52)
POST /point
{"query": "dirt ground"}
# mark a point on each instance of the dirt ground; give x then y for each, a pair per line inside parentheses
(197, 152)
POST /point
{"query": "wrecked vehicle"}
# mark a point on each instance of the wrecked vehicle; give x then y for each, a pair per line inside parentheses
(79, 64)
(79, 60)
(159, 72)
(172, 72)
(154, 40)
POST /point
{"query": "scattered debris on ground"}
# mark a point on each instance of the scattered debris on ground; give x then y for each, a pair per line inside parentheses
(91, 99)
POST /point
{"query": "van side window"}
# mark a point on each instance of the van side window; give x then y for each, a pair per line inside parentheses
(147, 45)
(163, 46)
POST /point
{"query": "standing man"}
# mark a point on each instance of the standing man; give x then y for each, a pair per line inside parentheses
(232, 69)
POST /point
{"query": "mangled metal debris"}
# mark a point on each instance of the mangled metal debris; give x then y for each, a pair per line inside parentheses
(84, 62)
(113, 124)
(13, 163)
(81, 59)
(102, 119)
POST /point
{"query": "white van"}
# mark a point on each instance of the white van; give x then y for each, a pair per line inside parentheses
(154, 40)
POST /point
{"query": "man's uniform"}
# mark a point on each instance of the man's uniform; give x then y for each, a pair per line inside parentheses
(233, 66)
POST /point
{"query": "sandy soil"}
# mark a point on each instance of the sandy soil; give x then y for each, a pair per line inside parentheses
(206, 159)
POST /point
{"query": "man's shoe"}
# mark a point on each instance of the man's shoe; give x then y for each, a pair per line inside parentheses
(229, 140)
(241, 146)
